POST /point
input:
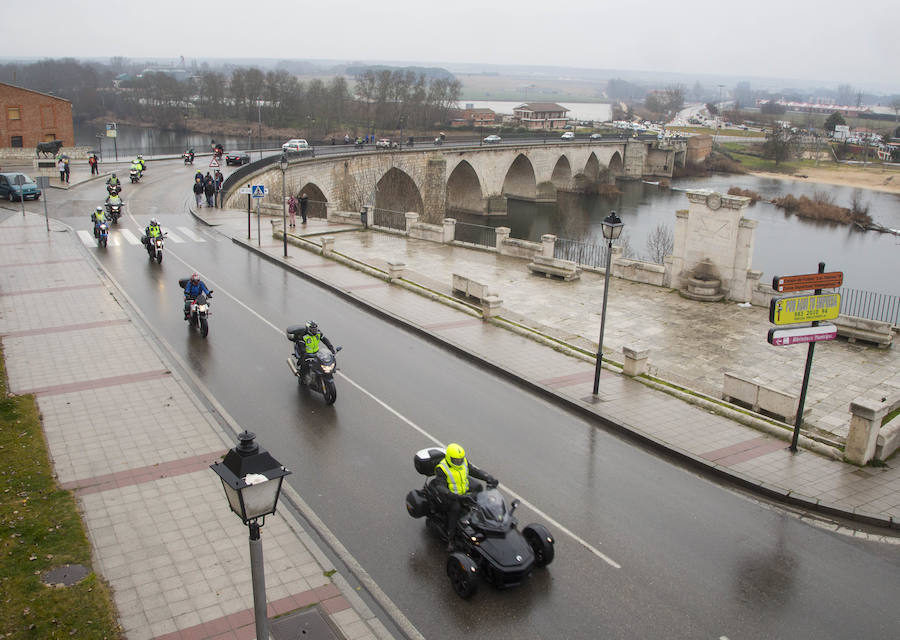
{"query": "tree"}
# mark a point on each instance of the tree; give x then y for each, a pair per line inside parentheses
(833, 120)
(660, 243)
(780, 145)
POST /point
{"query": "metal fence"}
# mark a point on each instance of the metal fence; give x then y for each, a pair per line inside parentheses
(388, 219)
(867, 304)
(475, 234)
(583, 253)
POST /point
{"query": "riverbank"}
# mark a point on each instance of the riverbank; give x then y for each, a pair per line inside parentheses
(875, 177)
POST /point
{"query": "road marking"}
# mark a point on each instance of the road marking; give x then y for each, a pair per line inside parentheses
(86, 237)
(174, 238)
(190, 234)
(587, 545)
(130, 238)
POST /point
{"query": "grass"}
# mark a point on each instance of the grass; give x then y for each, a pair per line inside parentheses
(736, 133)
(40, 529)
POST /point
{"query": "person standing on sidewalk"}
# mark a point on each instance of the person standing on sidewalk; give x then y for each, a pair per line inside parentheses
(198, 191)
(210, 190)
(304, 201)
(66, 168)
(92, 162)
(61, 166)
(292, 211)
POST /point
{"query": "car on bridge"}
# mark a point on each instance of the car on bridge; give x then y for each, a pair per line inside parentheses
(492, 139)
(237, 157)
(568, 135)
(385, 143)
(596, 136)
(298, 146)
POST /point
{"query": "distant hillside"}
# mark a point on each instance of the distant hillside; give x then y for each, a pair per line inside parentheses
(432, 73)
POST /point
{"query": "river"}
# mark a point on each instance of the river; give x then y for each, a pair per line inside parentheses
(784, 244)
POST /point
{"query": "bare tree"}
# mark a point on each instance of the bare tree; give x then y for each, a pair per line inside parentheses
(660, 243)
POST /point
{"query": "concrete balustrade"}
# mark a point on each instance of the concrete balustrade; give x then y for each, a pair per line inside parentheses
(868, 438)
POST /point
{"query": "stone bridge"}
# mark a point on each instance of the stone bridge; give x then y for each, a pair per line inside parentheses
(476, 179)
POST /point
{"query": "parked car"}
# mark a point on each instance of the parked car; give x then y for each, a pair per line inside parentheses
(568, 135)
(15, 186)
(492, 139)
(237, 157)
(298, 146)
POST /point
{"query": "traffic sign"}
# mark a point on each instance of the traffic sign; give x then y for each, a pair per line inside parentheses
(802, 335)
(825, 306)
(808, 281)
(258, 191)
(214, 163)
(245, 191)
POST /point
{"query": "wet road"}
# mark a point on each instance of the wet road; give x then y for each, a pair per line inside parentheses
(648, 549)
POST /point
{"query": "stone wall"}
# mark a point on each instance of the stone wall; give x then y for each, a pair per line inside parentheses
(698, 148)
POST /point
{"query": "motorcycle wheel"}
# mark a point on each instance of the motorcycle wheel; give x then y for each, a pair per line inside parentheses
(159, 256)
(204, 327)
(329, 391)
(463, 575)
(541, 543)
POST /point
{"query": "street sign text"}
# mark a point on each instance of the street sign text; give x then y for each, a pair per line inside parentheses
(802, 335)
(825, 306)
(808, 281)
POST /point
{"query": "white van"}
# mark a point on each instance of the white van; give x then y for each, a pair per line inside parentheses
(298, 145)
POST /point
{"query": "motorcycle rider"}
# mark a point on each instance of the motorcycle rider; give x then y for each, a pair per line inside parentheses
(113, 181)
(310, 340)
(137, 166)
(98, 217)
(194, 287)
(140, 159)
(451, 480)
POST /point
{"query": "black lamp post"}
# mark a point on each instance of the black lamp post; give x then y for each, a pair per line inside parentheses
(252, 480)
(284, 165)
(612, 229)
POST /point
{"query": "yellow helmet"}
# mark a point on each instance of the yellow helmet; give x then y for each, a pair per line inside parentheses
(456, 455)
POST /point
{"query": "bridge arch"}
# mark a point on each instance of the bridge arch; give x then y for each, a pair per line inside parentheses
(464, 190)
(317, 201)
(397, 191)
(616, 166)
(520, 181)
(562, 173)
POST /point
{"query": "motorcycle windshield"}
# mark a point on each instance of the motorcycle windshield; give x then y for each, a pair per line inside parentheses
(325, 356)
(201, 299)
(491, 509)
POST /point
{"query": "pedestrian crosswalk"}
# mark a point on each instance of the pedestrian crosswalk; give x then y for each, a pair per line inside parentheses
(119, 236)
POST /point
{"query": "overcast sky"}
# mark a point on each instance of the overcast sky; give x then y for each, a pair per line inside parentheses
(829, 41)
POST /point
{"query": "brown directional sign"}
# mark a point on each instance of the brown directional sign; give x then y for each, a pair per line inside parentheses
(808, 281)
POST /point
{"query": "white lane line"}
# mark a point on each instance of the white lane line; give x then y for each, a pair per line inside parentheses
(86, 237)
(112, 241)
(130, 238)
(587, 545)
(172, 237)
(190, 234)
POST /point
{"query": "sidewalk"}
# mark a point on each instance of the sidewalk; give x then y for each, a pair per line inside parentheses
(687, 343)
(129, 436)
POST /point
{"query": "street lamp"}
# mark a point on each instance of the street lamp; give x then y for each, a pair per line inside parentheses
(259, 124)
(284, 166)
(252, 480)
(612, 229)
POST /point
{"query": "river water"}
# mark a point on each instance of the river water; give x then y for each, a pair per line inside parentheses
(784, 244)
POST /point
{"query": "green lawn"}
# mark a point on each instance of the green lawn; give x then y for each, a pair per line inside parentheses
(737, 133)
(40, 529)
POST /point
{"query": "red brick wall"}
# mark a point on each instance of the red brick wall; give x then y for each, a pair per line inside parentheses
(41, 117)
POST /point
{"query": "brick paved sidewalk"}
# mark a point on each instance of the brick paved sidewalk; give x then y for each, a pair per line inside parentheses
(128, 435)
(753, 458)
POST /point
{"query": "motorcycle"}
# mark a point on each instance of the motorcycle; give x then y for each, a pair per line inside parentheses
(101, 232)
(198, 309)
(438, 142)
(486, 541)
(135, 175)
(114, 211)
(188, 158)
(154, 247)
(114, 189)
(320, 367)
(359, 144)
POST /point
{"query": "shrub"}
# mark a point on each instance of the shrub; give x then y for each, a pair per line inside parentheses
(747, 193)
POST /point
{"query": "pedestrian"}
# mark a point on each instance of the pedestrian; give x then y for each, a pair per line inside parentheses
(210, 190)
(303, 202)
(61, 166)
(66, 166)
(332, 140)
(292, 211)
(198, 191)
(92, 162)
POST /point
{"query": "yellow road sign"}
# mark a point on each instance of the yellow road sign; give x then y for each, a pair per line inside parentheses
(825, 306)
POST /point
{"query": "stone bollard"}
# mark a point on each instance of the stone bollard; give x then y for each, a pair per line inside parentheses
(449, 230)
(490, 306)
(501, 233)
(411, 218)
(635, 361)
(395, 270)
(865, 422)
(548, 245)
(327, 245)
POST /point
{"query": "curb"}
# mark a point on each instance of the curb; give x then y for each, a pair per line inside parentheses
(786, 496)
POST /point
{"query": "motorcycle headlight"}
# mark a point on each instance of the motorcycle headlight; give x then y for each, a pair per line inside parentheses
(158, 242)
(202, 307)
(328, 368)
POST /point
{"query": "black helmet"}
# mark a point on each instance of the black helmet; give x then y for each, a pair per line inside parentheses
(312, 327)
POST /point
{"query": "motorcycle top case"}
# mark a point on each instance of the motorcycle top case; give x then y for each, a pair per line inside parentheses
(182, 282)
(294, 332)
(426, 460)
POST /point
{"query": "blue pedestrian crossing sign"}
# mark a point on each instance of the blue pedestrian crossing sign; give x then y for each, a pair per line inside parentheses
(258, 191)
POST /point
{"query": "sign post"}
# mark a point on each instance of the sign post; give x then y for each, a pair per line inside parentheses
(113, 132)
(20, 180)
(43, 183)
(814, 308)
(258, 192)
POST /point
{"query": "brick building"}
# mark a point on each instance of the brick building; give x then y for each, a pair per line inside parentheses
(541, 115)
(28, 117)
